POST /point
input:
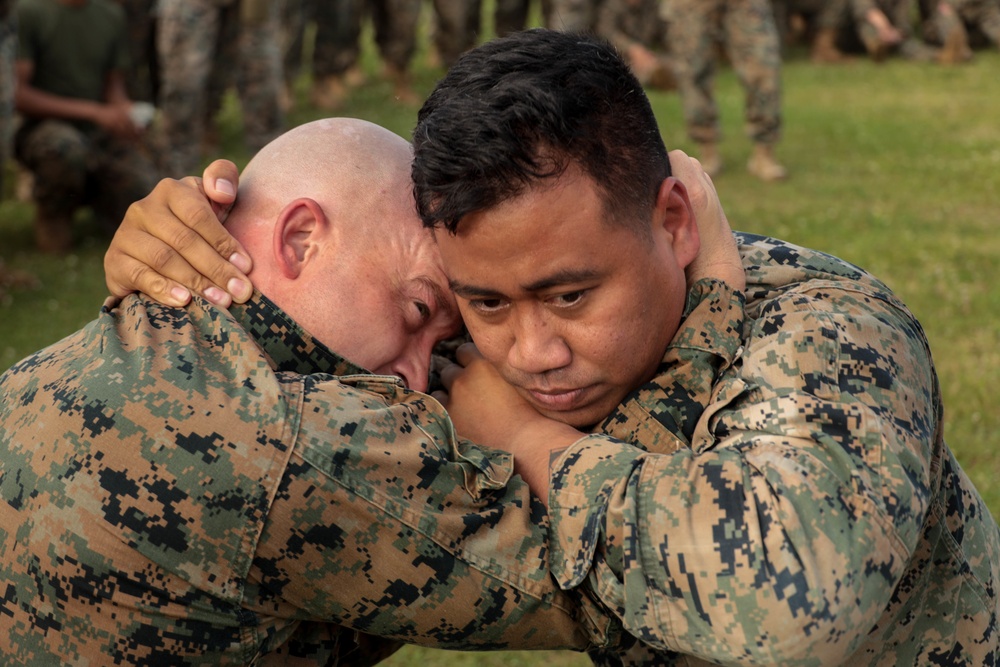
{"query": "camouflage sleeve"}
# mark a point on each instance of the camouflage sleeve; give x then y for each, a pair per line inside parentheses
(860, 9)
(392, 526)
(779, 535)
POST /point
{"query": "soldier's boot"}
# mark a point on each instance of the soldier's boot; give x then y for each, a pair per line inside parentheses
(876, 48)
(662, 78)
(763, 165)
(824, 48)
(711, 161)
(355, 77)
(287, 99)
(401, 89)
(328, 93)
(53, 232)
(956, 40)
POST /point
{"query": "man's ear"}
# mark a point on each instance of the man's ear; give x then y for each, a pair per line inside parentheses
(674, 219)
(298, 231)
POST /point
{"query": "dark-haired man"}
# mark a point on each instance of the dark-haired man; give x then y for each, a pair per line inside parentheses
(779, 491)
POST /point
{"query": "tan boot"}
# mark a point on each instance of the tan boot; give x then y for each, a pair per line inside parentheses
(763, 165)
(401, 89)
(956, 40)
(824, 49)
(328, 93)
(711, 161)
(53, 233)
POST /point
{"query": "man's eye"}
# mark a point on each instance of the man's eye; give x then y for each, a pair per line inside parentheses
(423, 310)
(486, 305)
(569, 299)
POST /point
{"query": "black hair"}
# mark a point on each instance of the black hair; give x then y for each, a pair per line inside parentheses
(519, 109)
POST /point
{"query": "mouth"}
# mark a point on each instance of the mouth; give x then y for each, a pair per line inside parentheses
(558, 400)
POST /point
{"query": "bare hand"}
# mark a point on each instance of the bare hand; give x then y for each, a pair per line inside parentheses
(487, 410)
(115, 119)
(719, 256)
(172, 242)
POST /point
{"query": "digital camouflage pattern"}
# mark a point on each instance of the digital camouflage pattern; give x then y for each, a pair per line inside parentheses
(572, 15)
(747, 30)
(187, 486)
(795, 503)
(456, 28)
(981, 19)
(779, 493)
(395, 23)
(192, 36)
(77, 163)
(338, 31)
(74, 168)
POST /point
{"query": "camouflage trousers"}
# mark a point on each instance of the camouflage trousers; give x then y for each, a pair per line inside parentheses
(143, 73)
(456, 28)
(189, 43)
(8, 51)
(396, 30)
(74, 168)
(746, 28)
(981, 19)
(338, 31)
(512, 15)
(572, 15)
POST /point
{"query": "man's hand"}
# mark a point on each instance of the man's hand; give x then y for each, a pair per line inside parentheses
(172, 243)
(719, 256)
(488, 411)
(116, 120)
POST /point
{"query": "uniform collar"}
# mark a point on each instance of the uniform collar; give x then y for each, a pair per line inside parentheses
(290, 347)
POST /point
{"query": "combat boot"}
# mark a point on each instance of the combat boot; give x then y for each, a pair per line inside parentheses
(711, 161)
(53, 233)
(876, 48)
(328, 93)
(763, 165)
(401, 89)
(956, 40)
(824, 49)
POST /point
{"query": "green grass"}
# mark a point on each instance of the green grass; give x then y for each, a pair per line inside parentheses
(893, 167)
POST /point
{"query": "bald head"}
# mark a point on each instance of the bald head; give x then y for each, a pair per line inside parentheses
(326, 212)
(349, 166)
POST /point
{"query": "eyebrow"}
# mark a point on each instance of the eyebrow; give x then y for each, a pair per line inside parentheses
(440, 299)
(564, 277)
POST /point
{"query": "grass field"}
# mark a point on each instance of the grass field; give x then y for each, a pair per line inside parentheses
(894, 167)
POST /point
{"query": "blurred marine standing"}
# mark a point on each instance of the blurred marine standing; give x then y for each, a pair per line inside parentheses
(747, 30)
(188, 44)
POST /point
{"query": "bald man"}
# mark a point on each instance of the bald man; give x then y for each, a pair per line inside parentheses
(201, 486)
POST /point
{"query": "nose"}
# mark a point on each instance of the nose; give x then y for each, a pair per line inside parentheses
(414, 365)
(536, 347)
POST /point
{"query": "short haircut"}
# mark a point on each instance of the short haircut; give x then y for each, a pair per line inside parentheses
(518, 110)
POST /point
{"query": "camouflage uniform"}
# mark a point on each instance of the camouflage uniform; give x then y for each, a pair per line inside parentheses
(8, 51)
(338, 30)
(512, 15)
(900, 14)
(188, 43)
(200, 486)
(456, 28)
(981, 19)
(76, 163)
(780, 433)
(748, 31)
(396, 30)
(572, 15)
(795, 502)
(142, 78)
(636, 24)
(821, 14)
